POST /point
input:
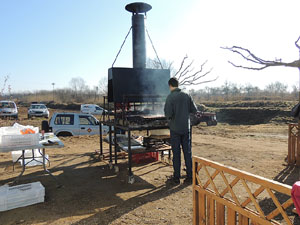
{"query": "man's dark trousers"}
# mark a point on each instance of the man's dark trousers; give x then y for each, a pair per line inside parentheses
(183, 140)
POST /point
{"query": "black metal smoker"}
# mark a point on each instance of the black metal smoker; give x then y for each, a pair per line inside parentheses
(131, 91)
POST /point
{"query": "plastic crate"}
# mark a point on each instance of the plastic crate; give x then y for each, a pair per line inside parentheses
(19, 140)
(146, 157)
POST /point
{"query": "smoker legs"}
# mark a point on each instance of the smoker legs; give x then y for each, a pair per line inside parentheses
(130, 174)
(116, 152)
(110, 148)
(101, 156)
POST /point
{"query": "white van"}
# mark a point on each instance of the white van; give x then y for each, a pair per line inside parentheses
(91, 109)
(73, 124)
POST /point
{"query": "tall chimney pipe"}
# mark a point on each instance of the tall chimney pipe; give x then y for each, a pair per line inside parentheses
(138, 11)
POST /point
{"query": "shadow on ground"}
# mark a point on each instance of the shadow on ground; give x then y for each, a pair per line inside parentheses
(90, 190)
(288, 175)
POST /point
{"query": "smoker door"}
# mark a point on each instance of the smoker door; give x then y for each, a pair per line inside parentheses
(137, 83)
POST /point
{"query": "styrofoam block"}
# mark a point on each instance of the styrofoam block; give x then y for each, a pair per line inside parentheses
(21, 195)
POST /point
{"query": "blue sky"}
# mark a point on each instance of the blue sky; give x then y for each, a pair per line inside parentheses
(54, 40)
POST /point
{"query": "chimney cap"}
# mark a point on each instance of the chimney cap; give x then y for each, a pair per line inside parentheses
(138, 7)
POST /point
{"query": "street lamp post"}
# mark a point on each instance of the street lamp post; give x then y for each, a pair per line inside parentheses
(53, 91)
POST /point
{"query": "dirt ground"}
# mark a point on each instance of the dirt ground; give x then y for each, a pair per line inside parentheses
(94, 194)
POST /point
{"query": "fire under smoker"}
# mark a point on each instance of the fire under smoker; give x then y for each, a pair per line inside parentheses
(137, 96)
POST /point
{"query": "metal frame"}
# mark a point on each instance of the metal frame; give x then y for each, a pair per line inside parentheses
(113, 122)
(22, 157)
(33, 158)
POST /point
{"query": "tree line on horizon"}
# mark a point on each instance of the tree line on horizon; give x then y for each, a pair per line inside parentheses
(233, 92)
(79, 92)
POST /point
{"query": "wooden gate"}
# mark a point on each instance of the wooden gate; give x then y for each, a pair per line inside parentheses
(225, 195)
(294, 145)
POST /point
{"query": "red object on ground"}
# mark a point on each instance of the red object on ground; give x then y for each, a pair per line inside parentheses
(145, 157)
(296, 196)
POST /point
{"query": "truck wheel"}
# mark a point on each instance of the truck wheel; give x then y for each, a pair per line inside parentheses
(64, 134)
(45, 126)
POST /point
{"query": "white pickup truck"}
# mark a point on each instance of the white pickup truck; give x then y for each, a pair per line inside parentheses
(73, 124)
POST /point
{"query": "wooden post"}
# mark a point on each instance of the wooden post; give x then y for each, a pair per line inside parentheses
(289, 158)
(195, 207)
(297, 139)
(243, 220)
(293, 148)
(210, 211)
(231, 217)
(202, 209)
(220, 214)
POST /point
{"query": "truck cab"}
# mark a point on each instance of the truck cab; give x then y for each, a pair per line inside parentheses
(74, 124)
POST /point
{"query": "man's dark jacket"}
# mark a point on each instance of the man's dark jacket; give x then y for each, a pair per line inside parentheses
(178, 107)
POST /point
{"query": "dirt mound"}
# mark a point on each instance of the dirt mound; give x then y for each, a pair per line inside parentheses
(246, 104)
(70, 106)
(252, 112)
(252, 116)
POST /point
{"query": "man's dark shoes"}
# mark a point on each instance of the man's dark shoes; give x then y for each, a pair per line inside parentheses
(173, 181)
(188, 181)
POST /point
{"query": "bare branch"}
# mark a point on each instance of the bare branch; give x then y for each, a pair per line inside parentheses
(186, 76)
(201, 82)
(4, 84)
(296, 43)
(185, 70)
(249, 68)
(182, 63)
(194, 76)
(249, 56)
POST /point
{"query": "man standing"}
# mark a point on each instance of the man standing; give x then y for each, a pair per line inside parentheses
(178, 107)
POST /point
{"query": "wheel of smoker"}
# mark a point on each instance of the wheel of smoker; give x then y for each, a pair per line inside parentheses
(131, 179)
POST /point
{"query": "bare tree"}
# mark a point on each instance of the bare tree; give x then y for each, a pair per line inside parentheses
(103, 88)
(4, 85)
(260, 63)
(186, 74)
(78, 86)
(160, 64)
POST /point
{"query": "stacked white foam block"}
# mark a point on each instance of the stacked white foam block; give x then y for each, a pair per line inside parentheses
(21, 195)
(12, 137)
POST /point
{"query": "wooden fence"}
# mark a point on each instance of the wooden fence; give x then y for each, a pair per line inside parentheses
(294, 145)
(225, 195)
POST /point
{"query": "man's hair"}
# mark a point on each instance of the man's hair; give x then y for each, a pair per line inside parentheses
(173, 82)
